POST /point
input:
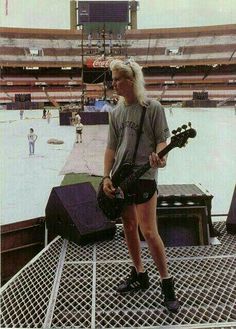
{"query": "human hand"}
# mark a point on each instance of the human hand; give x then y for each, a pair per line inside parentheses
(108, 188)
(156, 162)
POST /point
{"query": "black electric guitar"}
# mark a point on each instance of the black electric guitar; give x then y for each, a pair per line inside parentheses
(125, 177)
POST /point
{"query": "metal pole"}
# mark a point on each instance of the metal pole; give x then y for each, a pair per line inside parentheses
(82, 69)
(104, 54)
(104, 86)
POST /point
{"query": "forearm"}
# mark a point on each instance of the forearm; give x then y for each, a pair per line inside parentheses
(155, 160)
(108, 161)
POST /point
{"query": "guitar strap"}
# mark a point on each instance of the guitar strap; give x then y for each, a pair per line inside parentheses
(139, 133)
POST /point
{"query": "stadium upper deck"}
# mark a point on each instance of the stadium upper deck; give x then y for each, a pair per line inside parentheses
(176, 62)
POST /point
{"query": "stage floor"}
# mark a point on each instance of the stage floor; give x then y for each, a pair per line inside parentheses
(70, 286)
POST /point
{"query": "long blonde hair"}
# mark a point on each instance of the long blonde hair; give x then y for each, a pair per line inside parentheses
(133, 71)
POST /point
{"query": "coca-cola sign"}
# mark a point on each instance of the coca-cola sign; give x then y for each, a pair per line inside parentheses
(99, 62)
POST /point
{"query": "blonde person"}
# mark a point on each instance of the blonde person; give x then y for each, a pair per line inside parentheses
(141, 204)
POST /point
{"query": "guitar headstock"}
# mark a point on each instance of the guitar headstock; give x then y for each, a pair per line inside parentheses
(182, 134)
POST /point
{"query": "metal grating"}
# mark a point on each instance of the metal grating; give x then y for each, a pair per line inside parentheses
(69, 286)
(25, 298)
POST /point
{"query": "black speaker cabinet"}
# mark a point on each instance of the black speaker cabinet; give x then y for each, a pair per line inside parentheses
(231, 219)
(186, 195)
(183, 226)
(65, 118)
(72, 212)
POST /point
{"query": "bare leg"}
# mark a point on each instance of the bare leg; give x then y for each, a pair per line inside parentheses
(130, 223)
(148, 225)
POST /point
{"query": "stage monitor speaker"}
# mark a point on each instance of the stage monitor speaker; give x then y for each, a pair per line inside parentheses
(72, 212)
(231, 219)
(183, 226)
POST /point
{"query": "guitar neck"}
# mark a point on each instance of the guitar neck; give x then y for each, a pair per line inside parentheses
(128, 181)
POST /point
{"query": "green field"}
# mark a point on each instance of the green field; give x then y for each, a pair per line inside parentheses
(81, 178)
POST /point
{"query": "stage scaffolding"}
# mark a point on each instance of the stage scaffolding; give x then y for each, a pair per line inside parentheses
(70, 286)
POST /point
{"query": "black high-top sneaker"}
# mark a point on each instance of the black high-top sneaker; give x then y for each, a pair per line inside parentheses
(134, 282)
(168, 292)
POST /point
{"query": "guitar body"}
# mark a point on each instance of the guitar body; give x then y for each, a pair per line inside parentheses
(112, 208)
(125, 170)
(125, 178)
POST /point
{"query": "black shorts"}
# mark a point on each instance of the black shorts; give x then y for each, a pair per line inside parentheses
(141, 192)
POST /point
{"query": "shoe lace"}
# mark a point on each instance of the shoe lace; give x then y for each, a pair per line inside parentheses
(130, 279)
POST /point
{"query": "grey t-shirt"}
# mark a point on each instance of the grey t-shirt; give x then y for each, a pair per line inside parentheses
(123, 128)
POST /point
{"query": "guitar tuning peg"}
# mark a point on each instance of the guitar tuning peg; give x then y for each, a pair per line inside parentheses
(179, 129)
(189, 124)
(174, 132)
(184, 127)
